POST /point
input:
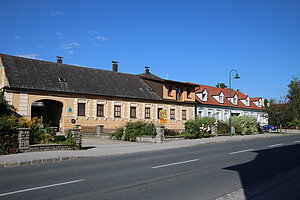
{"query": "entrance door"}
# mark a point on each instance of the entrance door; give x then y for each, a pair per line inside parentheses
(49, 110)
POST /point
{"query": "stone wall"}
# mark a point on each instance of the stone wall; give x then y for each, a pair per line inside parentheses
(24, 146)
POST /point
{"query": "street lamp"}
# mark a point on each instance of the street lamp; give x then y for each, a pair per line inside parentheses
(236, 77)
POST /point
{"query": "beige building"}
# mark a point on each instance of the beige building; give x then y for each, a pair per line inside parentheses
(97, 100)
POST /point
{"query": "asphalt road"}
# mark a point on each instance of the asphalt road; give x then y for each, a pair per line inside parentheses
(198, 172)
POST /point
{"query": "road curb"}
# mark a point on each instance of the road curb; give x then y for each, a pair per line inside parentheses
(39, 161)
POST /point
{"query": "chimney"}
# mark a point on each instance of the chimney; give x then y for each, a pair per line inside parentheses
(115, 66)
(59, 59)
(147, 70)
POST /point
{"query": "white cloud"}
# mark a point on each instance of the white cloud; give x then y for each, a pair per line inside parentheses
(69, 45)
(33, 55)
(17, 37)
(57, 13)
(59, 34)
(101, 38)
(70, 52)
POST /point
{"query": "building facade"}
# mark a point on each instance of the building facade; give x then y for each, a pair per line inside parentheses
(66, 95)
(215, 102)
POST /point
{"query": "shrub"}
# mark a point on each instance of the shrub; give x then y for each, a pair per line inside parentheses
(118, 133)
(171, 132)
(8, 134)
(223, 128)
(59, 138)
(245, 125)
(36, 131)
(192, 127)
(70, 139)
(135, 129)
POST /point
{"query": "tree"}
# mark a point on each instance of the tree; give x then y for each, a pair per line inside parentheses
(5, 107)
(278, 112)
(294, 98)
(221, 85)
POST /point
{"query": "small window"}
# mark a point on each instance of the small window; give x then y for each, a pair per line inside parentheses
(172, 113)
(203, 97)
(183, 114)
(61, 79)
(117, 111)
(178, 94)
(221, 99)
(169, 91)
(234, 100)
(81, 109)
(209, 114)
(132, 112)
(188, 93)
(158, 111)
(147, 113)
(100, 110)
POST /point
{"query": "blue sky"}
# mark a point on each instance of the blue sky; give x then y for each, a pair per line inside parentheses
(196, 41)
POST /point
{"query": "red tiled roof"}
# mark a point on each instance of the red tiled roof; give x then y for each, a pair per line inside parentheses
(214, 91)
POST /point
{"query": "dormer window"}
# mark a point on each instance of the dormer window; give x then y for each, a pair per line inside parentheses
(178, 94)
(259, 103)
(221, 98)
(235, 100)
(170, 91)
(188, 93)
(204, 95)
(248, 102)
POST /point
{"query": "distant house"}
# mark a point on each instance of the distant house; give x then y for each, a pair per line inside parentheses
(215, 102)
(97, 100)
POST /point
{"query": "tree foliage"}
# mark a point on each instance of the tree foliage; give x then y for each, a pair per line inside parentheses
(285, 112)
(221, 85)
(245, 125)
(294, 98)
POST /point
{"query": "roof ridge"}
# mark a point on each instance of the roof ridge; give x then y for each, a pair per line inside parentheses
(69, 65)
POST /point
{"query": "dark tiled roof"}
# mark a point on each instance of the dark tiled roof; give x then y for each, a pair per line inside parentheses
(213, 91)
(34, 74)
(151, 77)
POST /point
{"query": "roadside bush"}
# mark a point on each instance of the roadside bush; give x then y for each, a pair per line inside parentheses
(223, 128)
(58, 139)
(36, 132)
(171, 132)
(245, 125)
(135, 129)
(70, 139)
(192, 127)
(8, 134)
(118, 133)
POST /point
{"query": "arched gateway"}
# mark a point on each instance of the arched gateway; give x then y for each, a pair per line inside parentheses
(49, 110)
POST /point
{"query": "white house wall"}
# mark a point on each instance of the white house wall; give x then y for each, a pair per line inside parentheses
(206, 111)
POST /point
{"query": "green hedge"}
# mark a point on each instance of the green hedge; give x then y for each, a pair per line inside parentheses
(135, 129)
(192, 127)
(8, 134)
(245, 125)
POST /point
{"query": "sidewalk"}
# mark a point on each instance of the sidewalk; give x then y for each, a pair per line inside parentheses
(97, 147)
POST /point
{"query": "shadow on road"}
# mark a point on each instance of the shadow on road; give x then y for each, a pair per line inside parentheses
(268, 163)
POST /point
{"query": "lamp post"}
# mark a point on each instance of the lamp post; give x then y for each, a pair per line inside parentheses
(236, 77)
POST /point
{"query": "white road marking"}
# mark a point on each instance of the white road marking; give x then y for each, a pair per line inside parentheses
(246, 150)
(276, 145)
(40, 187)
(177, 163)
(297, 141)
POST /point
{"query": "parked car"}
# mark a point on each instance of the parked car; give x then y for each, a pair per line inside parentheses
(269, 128)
